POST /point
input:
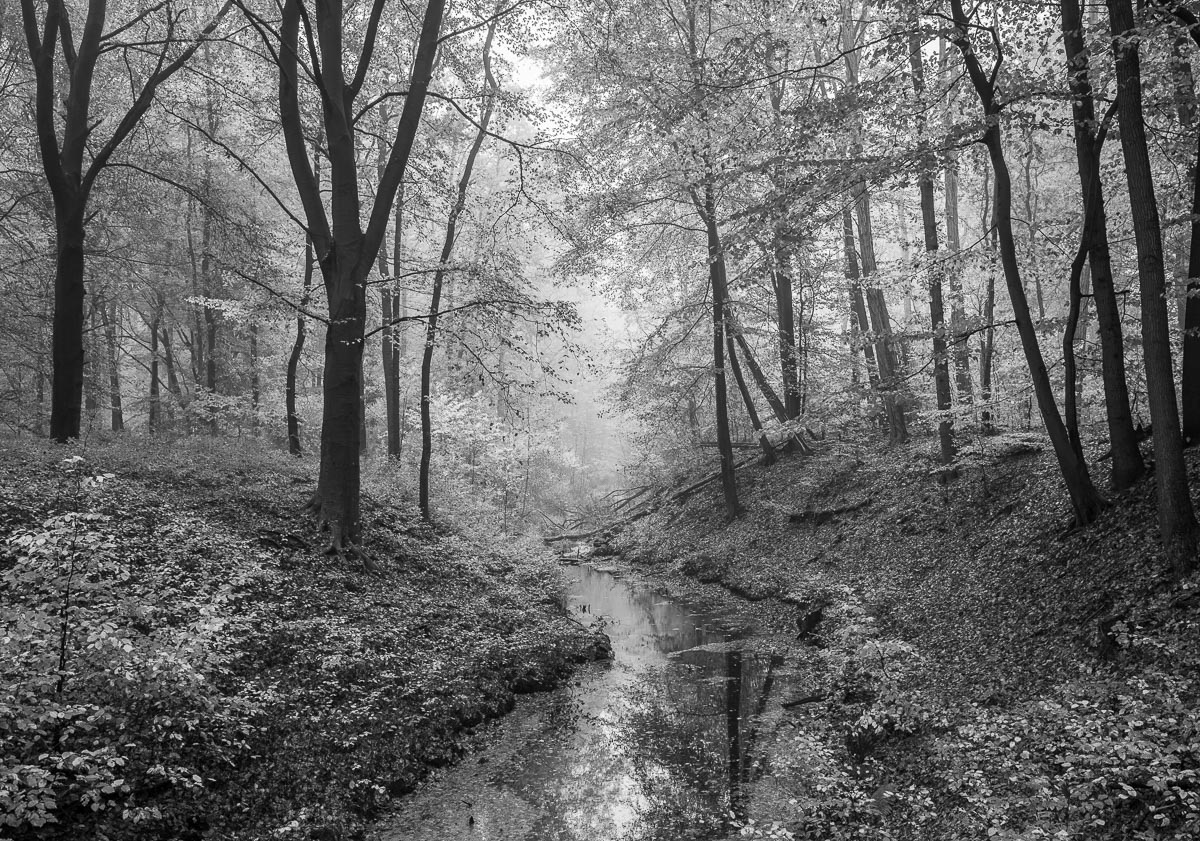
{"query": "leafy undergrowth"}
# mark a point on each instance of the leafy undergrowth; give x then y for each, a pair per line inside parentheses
(178, 659)
(981, 671)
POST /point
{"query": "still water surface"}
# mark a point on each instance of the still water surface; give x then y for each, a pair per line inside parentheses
(655, 745)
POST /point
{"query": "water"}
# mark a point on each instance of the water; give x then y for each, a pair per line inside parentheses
(657, 745)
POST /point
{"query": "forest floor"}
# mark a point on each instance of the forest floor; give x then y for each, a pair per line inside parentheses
(966, 667)
(181, 660)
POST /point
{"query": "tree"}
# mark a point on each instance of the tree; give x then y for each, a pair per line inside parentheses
(486, 109)
(1127, 466)
(72, 165)
(1085, 501)
(344, 251)
(1176, 519)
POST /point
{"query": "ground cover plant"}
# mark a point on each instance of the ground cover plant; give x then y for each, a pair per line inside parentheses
(180, 660)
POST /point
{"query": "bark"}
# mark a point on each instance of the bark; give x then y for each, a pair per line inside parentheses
(1127, 465)
(937, 314)
(1085, 501)
(464, 182)
(1031, 208)
(1176, 519)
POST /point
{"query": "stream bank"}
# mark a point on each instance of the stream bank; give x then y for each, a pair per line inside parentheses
(962, 666)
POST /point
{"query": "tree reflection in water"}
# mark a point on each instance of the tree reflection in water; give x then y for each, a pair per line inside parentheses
(653, 747)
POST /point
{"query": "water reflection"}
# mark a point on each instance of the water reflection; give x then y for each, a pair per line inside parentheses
(649, 748)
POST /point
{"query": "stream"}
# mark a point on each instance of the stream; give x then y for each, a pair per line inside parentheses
(655, 745)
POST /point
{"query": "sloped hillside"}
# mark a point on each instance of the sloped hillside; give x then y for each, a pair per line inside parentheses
(965, 666)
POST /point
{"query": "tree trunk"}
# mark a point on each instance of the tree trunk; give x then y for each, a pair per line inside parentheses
(961, 348)
(1176, 519)
(1191, 322)
(734, 327)
(785, 314)
(716, 274)
(860, 326)
(108, 318)
(255, 380)
(988, 341)
(155, 410)
(1127, 465)
(880, 321)
(66, 392)
(1084, 499)
(937, 312)
(464, 182)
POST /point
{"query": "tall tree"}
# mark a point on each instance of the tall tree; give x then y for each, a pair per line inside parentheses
(344, 251)
(1176, 519)
(72, 164)
(1085, 501)
(1127, 465)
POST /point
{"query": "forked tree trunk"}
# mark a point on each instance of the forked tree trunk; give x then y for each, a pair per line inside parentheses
(345, 251)
(1176, 518)
(1085, 501)
(1127, 465)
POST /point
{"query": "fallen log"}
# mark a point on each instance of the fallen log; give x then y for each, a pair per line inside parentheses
(824, 515)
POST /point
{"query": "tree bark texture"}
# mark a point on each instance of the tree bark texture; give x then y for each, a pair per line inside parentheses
(1127, 464)
(1176, 518)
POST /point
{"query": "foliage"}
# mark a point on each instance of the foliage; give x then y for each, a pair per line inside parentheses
(179, 663)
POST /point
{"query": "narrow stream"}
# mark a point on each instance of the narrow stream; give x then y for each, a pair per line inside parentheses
(652, 746)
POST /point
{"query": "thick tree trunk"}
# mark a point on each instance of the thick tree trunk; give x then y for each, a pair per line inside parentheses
(337, 501)
(1085, 501)
(1176, 518)
(1127, 465)
(66, 392)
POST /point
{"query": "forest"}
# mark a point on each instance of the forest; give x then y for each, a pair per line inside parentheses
(563, 419)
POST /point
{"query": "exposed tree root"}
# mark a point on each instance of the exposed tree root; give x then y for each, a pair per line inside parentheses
(341, 543)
